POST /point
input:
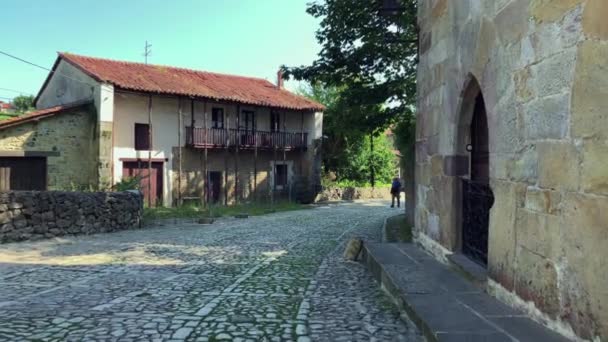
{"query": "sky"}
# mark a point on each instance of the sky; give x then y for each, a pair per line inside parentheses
(242, 37)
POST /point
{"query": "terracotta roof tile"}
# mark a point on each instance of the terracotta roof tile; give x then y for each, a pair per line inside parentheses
(186, 82)
(40, 114)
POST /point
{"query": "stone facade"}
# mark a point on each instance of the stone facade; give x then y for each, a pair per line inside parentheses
(32, 215)
(541, 68)
(68, 141)
(303, 173)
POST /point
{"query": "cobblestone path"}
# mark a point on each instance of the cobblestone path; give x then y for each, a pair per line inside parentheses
(278, 277)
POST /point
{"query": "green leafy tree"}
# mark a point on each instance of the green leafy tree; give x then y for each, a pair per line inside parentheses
(371, 55)
(347, 152)
(380, 158)
(23, 103)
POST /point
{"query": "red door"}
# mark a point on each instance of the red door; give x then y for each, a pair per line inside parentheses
(140, 169)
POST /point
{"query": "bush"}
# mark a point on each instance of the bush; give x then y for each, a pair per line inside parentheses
(128, 183)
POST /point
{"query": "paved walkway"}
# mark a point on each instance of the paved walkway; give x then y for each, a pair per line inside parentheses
(445, 305)
(278, 278)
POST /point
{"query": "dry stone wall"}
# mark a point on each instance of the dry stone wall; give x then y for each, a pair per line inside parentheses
(353, 193)
(33, 215)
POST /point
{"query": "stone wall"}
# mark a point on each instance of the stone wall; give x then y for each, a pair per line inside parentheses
(301, 173)
(352, 193)
(541, 68)
(67, 138)
(33, 215)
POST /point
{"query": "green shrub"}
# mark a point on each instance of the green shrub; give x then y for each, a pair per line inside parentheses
(128, 183)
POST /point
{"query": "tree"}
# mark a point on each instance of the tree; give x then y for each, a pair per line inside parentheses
(371, 56)
(347, 152)
(23, 103)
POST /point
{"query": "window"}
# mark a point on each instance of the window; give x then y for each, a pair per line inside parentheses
(280, 176)
(217, 118)
(247, 120)
(142, 137)
(275, 122)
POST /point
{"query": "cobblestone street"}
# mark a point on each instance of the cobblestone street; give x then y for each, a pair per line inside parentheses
(278, 277)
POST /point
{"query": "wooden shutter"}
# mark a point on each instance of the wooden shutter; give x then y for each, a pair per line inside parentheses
(142, 137)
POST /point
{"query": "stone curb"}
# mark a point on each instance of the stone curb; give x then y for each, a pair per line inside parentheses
(384, 234)
(387, 284)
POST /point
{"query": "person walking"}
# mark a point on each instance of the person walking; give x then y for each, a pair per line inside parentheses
(396, 192)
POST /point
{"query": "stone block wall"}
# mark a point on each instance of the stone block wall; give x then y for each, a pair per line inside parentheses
(301, 168)
(353, 193)
(69, 141)
(33, 215)
(541, 68)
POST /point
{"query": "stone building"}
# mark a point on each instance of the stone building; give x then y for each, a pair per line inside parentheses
(512, 150)
(187, 134)
(50, 149)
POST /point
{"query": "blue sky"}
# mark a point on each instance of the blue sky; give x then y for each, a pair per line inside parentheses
(244, 37)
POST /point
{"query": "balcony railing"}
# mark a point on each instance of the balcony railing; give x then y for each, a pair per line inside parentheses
(245, 139)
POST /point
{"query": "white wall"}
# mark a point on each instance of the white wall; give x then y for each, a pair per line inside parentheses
(67, 85)
(130, 109)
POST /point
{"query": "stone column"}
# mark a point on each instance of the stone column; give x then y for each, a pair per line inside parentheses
(104, 102)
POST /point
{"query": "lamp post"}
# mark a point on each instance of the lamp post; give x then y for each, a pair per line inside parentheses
(391, 8)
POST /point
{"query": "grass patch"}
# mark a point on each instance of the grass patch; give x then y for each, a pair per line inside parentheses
(397, 229)
(195, 211)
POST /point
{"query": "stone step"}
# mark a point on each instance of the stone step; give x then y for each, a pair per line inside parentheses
(445, 305)
(470, 270)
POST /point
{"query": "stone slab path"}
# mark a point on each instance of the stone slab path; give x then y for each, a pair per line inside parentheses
(445, 305)
(277, 277)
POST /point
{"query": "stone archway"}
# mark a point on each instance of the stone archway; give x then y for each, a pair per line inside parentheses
(475, 192)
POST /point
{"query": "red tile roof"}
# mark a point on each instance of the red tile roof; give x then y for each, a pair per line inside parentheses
(179, 81)
(40, 114)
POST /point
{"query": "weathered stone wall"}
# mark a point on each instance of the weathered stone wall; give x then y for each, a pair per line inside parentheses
(301, 170)
(32, 215)
(352, 193)
(69, 140)
(541, 67)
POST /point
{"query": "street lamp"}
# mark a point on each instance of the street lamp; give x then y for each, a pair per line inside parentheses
(391, 8)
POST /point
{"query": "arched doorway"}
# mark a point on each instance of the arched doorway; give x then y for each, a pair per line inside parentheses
(477, 196)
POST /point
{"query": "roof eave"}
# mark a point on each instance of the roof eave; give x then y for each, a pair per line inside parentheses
(119, 87)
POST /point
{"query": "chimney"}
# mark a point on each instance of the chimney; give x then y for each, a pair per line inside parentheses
(280, 79)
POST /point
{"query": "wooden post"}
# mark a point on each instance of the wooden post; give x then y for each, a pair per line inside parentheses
(227, 130)
(285, 157)
(192, 120)
(302, 142)
(206, 188)
(255, 162)
(179, 150)
(236, 156)
(150, 151)
(371, 159)
(273, 166)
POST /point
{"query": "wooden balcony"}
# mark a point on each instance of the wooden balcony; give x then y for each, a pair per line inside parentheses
(215, 138)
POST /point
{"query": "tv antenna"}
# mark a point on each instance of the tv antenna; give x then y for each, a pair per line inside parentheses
(147, 51)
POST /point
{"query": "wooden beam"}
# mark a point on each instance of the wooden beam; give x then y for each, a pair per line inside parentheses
(206, 189)
(179, 150)
(255, 160)
(285, 157)
(227, 125)
(236, 157)
(150, 152)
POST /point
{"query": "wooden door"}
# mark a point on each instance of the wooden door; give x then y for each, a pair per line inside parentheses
(22, 173)
(155, 178)
(215, 186)
(477, 194)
